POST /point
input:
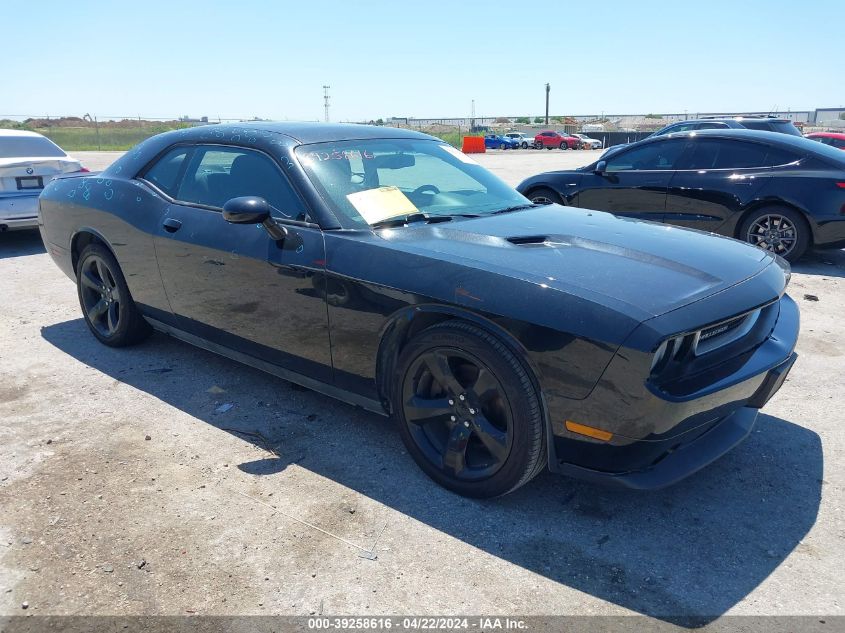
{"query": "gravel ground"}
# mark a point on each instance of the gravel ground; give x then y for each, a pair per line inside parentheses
(128, 488)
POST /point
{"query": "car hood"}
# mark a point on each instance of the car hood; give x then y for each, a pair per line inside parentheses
(643, 268)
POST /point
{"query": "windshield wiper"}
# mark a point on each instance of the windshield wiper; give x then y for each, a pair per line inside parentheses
(404, 220)
(518, 207)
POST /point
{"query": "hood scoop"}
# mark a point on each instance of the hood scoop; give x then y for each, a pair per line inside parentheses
(529, 240)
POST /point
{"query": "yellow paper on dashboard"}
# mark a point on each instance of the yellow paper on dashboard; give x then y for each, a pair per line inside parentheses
(379, 204)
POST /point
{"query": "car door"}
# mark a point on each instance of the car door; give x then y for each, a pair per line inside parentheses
(232, 284)
(716, 179)
(634, 182)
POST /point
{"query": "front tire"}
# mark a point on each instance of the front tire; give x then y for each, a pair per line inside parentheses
(524, 145)
(545, 196)
(778, 230)
(564, 146)
(468, 411)
(107, 306)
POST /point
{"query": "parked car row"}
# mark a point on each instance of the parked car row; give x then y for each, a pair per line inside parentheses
(548, 139)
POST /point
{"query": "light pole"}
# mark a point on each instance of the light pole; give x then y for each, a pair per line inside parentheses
(547, 103)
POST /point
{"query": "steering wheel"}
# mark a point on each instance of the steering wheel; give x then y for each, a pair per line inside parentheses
(422, 188)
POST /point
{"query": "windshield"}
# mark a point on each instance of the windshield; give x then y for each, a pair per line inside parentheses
(368, 181)
(28, 147)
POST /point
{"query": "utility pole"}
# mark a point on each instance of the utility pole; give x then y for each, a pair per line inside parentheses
(548, 87)
(472, 117)
(326, 98)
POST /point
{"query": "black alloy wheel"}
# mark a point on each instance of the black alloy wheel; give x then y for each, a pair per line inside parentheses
(470, 416)
(101, 298)
(458, 413)
(104, 297)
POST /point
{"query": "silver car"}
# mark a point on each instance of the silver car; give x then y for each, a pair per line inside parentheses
(524, 141)
(28, 161)
(588, 142)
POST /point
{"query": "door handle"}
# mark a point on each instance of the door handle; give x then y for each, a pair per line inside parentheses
(171, 225)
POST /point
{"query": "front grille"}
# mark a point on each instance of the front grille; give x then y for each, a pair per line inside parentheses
(716, 330)
(702, 357)
(725, 333)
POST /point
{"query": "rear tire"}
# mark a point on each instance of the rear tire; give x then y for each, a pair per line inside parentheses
(564, 146)
(779, 230)
(107, 306)
(468, 411)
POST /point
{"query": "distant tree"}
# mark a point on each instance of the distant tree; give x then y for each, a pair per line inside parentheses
(538, 119)
(379, 121)
(523, 119)
(842, 116)
(653, 116)
(503, 119)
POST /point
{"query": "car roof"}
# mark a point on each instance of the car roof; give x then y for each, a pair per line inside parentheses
(797, 143)
(775, 138)
(322, 132)
(4, 132)
(742, 118)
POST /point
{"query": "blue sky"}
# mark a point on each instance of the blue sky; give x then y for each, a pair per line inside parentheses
(420, 59)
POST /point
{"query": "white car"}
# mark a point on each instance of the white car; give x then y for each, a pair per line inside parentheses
(586, 141)
(28, 161)
(524, 141)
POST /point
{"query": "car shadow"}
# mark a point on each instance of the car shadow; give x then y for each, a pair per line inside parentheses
(691, 551)
(19, 243)
(824, 262)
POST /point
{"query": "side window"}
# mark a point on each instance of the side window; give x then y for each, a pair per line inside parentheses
(765, 126)
(776, 156)
(725, 154)
(683, 127)
(711, 125)
(654, 156)
(740, 155)
(838, 142)
(165, 172)
(215, 175)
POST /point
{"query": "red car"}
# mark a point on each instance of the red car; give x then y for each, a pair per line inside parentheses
(834, 139)
(551, 139)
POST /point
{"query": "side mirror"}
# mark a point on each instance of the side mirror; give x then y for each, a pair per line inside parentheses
(246, 210)
(600, 167)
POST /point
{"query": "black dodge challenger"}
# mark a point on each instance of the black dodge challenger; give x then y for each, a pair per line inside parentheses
(385, 268)
(780, 192)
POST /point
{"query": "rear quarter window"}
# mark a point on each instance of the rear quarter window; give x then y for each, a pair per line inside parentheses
(165, 172)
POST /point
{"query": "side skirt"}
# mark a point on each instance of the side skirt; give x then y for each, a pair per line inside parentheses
(309, 383)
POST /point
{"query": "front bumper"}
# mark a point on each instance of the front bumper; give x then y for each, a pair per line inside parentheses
(675, 435)
(687, 455)
(18, 212)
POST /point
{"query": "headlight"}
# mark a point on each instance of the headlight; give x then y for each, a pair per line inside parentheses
(668, 349)
(659, 354)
